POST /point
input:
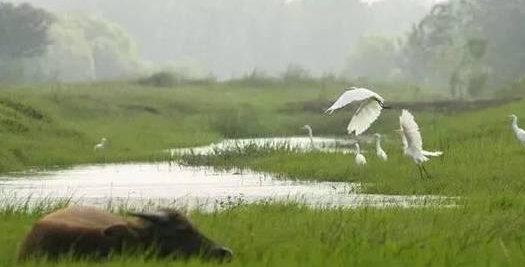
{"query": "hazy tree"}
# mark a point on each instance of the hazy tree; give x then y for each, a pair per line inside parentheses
(90, 48)
(69, 56)
(295, 73)
(374, 56)
(471, 40)
(23, 35)
(435, 45)
(23, 31)
(502, 26)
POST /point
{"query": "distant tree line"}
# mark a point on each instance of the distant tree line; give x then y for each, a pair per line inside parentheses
(230, 38)
(38, 46)
(467, 46)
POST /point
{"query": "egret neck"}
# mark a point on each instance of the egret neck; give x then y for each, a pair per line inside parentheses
(515, 127)
(310, 134)
(378, 143)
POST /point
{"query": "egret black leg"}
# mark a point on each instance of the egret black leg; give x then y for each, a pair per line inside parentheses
(426, 173)
(420, 171)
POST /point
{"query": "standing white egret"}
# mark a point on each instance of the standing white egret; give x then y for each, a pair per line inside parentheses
(310, 134)
(171, 160)
(379, 150)
(368, 112)
(360, 159)
(520, 133)
(413, 143)
(100, 146)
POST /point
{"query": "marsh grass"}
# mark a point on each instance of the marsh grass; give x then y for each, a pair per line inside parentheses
(481, 156)
(59, 124)
(483, 164)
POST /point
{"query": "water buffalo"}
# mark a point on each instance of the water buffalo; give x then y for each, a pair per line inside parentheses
(87, 232)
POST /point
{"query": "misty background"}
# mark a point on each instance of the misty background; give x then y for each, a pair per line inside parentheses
(230, 38)
(463, 45)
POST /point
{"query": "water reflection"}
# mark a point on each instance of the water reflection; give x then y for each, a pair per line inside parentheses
(188, 187)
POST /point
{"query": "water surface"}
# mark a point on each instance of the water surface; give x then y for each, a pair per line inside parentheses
(188, 187)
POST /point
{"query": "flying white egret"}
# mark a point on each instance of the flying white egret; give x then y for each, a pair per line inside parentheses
(520, 133)
(379, 150)
(413, 143)
(310, 134)
(368, 112)
(100, 146)
(360, 159)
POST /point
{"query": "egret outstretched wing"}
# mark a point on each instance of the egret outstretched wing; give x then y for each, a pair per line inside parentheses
(403, 140)
(407, 121)
(432, 153)
(424, 152)
(354, 95)
(365, 115)
(410, 131)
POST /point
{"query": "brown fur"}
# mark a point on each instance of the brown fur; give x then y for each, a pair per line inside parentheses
(91, 233)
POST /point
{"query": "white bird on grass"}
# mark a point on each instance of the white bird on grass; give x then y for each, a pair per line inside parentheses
(171, 160)
(379, 150)
(368, 112)
(100, 146)
(360, 159)
(425, 152)
(310, 134)
(413, 143)
(520, 133)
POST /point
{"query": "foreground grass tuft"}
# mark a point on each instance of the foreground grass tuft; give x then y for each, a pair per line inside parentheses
(285, 234)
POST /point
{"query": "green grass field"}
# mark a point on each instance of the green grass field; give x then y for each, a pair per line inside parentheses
(58, 125)
(288, 235)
